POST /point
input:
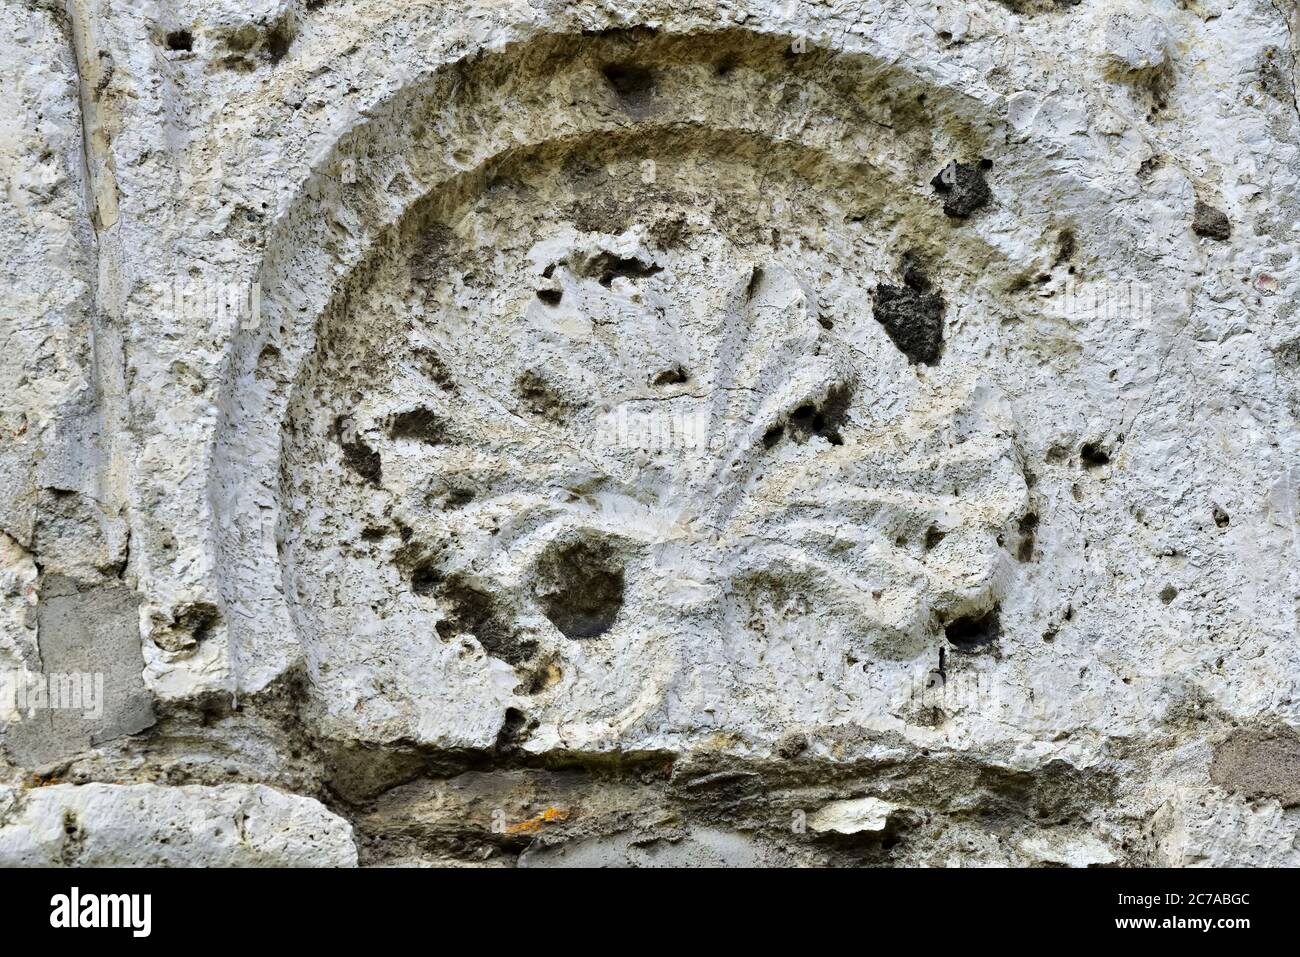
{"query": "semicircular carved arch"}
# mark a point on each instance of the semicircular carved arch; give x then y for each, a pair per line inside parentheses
(570, 399)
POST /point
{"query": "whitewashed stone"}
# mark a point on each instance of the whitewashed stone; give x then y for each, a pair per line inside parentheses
(145, 825)
(854, 816)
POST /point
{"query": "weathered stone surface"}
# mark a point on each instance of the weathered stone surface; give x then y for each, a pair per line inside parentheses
(145, 825)
(1201, 827)
(861, 815)
(1211, 222)
(90, 657)
(1260, 763)
(736, 409)
(701, 847)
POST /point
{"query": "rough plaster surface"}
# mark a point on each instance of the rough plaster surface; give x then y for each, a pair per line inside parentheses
(646, 433)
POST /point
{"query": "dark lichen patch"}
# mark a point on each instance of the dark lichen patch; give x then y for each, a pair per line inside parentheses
(436, 369)
(792, 745)
(726, 65)
(1066, 244)
(580, 588)
(1168, 594)
(1210, 222)
(357, 455)
(975, 632)
(912, 315)
(1260, 763)
(542, 398)
(603, 215)
(431, 253)
(278, 41)
(669, 231)
(1274, 78)
(963, 188)
(633, 84)
(1031, 8)
(426, 578)
(261, 41)
(824, 419)
(1093, 455)
(418, 425)
(1288, 353)
(469, 610)
(927, 717)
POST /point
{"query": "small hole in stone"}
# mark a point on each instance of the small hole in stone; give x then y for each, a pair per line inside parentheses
(551, 297)
(1028, 528)
(674, 376)
(1221, 518)
(458, 498)
(632, 83)
(933, 536)
(607, 267)
(469, 610)
(419, 425)
(426, 579)
(514, 728)
(580, 588)
(180, 40)
(278, 41)
(810, 420)
(1094, 455)
(972, 633)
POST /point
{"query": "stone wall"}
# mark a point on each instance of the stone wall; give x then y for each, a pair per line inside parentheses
(774, 432)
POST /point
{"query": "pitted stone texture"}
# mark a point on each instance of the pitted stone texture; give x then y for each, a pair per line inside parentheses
(1205, 827)
(698, 401)
(146, 825)
(383, 519)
